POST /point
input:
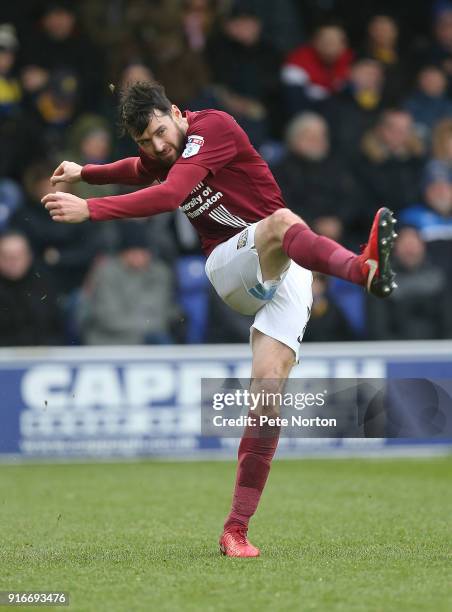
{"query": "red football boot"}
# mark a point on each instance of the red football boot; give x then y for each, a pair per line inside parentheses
(234, 543)
(375, 257)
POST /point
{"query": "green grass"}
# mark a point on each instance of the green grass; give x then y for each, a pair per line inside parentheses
(345, 535)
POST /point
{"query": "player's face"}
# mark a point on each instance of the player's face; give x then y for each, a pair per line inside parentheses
(164, 137)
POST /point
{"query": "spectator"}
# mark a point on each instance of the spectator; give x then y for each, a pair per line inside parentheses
(429, 103)
(315, 71)
(55, 107)
(58, 44)
(29, 314)
(137, 28)
(420, 308)
(382, 39)
(382, 45)
(158, 33)
(314, 182)
(247, 69)
(129, 298)
(357, 108)
(182, 71)
(10, 90)
(439, 51)
(20, 139)
(66, 251)
(280, 28)
(391, 162)
(198, 18)
(439, 168)
(433, 220)
(90, 142)
(327, 323)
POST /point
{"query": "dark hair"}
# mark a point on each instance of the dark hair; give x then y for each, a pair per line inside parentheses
(138, 102)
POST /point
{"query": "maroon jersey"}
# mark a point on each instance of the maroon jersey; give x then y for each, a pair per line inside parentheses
(237, 190)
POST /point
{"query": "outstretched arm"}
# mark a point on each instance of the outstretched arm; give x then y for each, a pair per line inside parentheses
(181, 180)
(129, 171)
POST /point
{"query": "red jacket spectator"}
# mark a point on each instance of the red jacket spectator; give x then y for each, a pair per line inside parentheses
(313, 72)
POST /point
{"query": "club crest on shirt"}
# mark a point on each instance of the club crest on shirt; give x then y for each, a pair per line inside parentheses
(194, 143)
(241, 242)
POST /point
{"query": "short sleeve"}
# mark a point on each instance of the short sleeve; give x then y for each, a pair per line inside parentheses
(211, 142)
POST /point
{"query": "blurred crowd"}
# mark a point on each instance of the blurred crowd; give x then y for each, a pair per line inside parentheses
(349, 102)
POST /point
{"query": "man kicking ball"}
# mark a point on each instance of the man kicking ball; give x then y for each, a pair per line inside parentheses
(259, 253)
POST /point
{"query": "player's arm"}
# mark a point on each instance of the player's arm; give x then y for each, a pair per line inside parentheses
(181, 180)
(128, 171)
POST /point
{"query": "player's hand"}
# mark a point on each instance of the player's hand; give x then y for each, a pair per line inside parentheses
(67, 172)
(66, 207)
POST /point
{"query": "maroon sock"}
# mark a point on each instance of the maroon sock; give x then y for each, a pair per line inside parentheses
(321, 254)
(255, 455)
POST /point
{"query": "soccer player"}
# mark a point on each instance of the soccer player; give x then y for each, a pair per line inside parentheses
(259, 253)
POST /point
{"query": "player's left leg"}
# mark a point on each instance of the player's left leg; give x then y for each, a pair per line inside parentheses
(285, 235)
(272, 362)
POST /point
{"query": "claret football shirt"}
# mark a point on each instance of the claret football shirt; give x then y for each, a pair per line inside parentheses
(238, 188)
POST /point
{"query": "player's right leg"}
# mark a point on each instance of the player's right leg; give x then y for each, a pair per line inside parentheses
(272, 362)
(281, 299)
(284, 235)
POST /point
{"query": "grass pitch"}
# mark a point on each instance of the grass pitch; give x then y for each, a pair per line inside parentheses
(343, 535)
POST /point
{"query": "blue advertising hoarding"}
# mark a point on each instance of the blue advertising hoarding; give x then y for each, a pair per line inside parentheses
(139, 401)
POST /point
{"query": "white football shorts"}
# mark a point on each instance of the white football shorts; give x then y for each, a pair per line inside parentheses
(282, 306)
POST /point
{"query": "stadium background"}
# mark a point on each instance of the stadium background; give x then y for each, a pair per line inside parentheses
(371, 125)
(375, 128)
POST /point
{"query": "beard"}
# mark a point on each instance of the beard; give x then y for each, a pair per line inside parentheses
(177, 147)
(181, 144)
